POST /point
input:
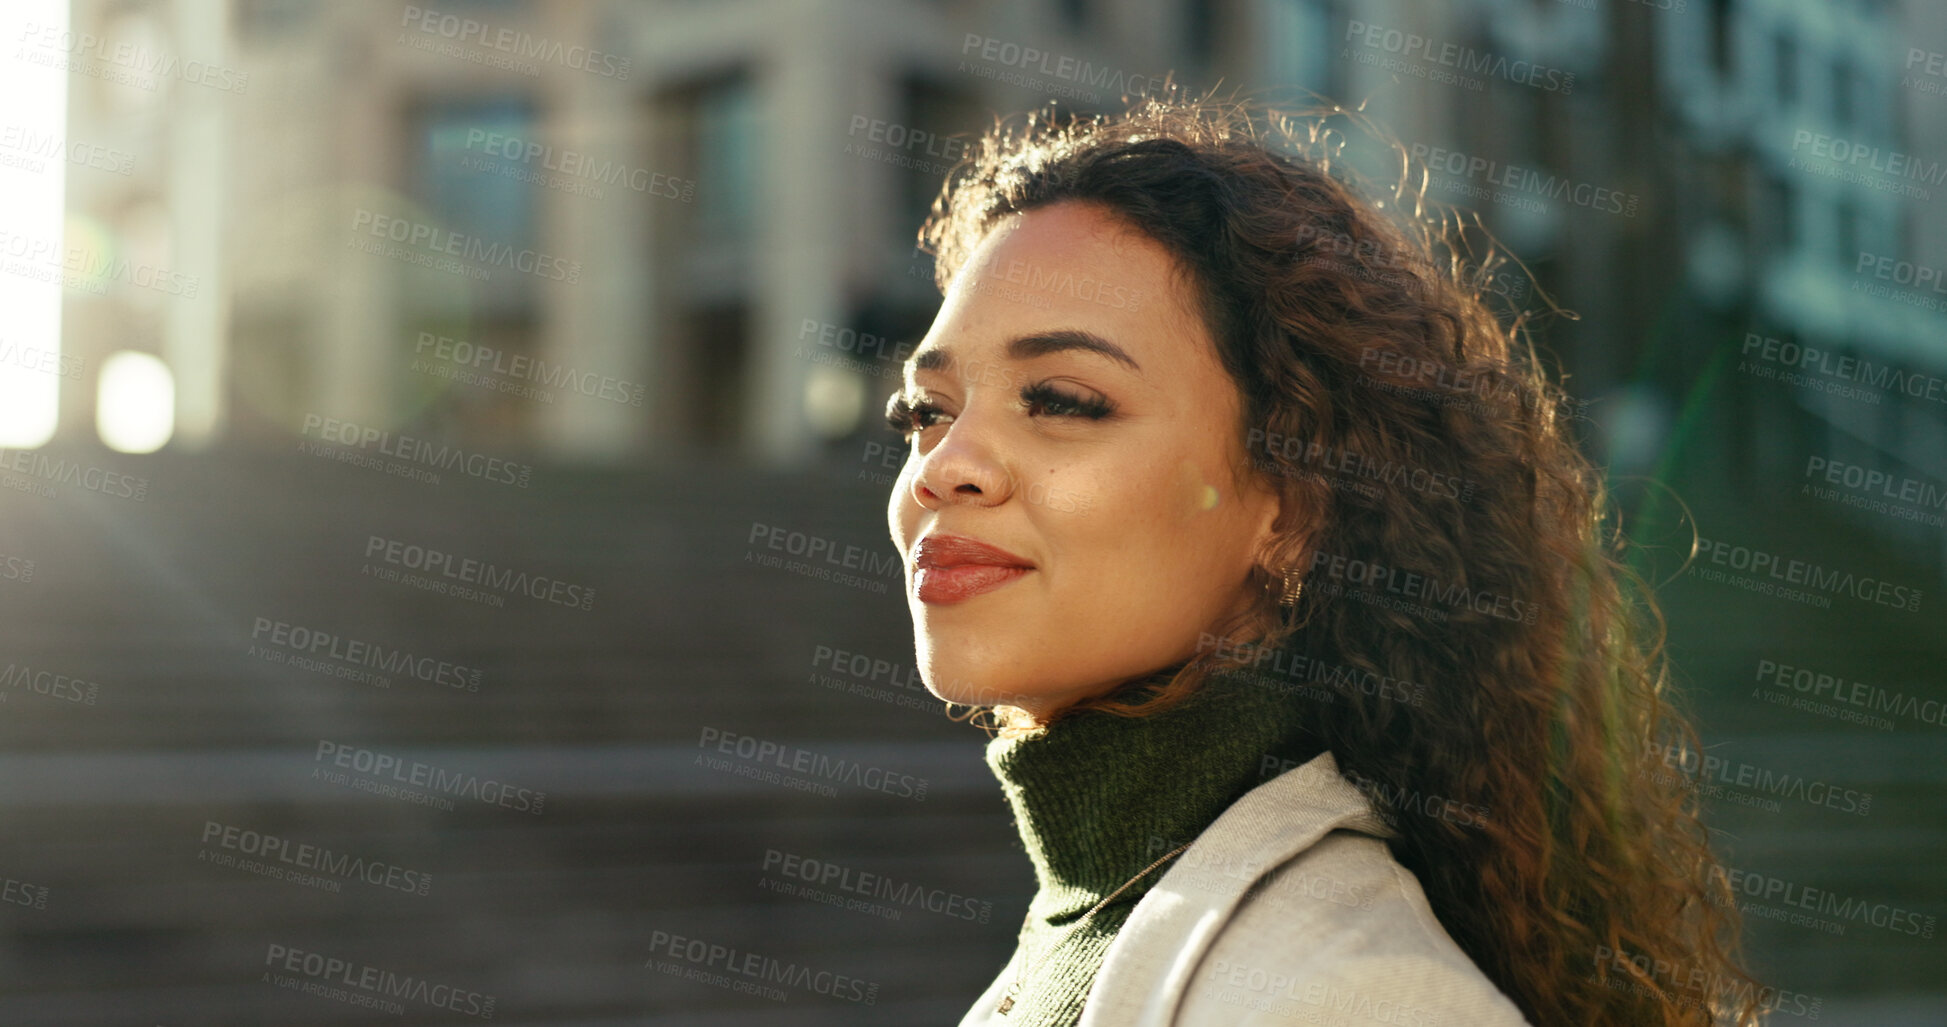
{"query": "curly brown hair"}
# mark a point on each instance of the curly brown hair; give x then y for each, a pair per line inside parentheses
(1421, 448)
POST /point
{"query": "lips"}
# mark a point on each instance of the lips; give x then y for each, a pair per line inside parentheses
(954, 568)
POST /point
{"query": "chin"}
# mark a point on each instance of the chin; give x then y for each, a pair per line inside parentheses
(965, 681)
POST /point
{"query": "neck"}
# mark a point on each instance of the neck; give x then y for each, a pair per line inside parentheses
(1097, 796)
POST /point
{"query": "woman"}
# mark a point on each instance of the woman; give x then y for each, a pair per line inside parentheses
(1266, 543)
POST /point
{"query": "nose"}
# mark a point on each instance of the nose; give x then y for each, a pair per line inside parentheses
(964, 467)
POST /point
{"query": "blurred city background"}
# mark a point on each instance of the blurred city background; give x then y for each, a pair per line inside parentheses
(303, 299)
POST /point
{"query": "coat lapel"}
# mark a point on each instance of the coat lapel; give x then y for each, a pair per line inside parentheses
(1149, 965)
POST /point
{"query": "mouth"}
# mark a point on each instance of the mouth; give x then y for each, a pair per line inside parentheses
(954, 568)
(942, 586)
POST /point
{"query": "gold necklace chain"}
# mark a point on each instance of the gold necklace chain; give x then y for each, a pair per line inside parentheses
(1014, 988)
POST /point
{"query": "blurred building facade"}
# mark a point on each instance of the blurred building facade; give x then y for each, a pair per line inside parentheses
(616, 231)
(1815, 156)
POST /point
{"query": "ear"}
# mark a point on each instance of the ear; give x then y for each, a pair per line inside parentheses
(1267, 504)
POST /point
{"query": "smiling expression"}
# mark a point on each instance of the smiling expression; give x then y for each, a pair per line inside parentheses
(1067, 409)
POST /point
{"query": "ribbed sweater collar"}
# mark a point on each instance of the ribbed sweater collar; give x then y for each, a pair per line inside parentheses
(1097, 797)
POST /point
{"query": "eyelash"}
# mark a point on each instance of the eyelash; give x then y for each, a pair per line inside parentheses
(903, 416)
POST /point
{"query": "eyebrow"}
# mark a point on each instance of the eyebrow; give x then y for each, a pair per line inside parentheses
(1027, 347)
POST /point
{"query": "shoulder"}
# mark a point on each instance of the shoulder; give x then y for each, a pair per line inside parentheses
(1339, 934)
(1290, 909)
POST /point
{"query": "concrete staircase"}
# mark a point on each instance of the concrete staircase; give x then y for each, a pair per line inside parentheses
(554, 915)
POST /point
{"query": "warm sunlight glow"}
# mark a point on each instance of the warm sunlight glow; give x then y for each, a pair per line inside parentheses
(135, 411)
(34, 102)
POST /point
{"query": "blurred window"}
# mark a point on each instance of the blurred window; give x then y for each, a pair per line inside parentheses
(1298, 40)
(273, 17)
(463, 179)
(462, 176)
(954, 121)
(1842, 86)
(709, 132)
(1720, 36)
(726, 145)
(1784, 67)
(1775, 199)
(1200, 30)
(1848, 218)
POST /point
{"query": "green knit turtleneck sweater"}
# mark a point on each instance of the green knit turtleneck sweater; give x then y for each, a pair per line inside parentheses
(1098, 797)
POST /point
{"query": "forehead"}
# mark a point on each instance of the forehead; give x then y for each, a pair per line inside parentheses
(1071, 268)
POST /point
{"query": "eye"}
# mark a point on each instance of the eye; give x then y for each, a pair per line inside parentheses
(906, 417)
(1045, 399)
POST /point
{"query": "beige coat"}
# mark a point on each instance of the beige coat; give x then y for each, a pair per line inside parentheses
(1287, 909)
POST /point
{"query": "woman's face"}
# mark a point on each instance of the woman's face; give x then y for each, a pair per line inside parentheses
(1111, 478)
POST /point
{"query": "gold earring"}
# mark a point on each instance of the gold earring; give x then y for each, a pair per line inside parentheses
(1293, 588)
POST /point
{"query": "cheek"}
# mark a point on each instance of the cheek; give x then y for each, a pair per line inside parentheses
(1165, 503)
(902, 511)
(1168, 509)
(1209, 518)
(1194, 491)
